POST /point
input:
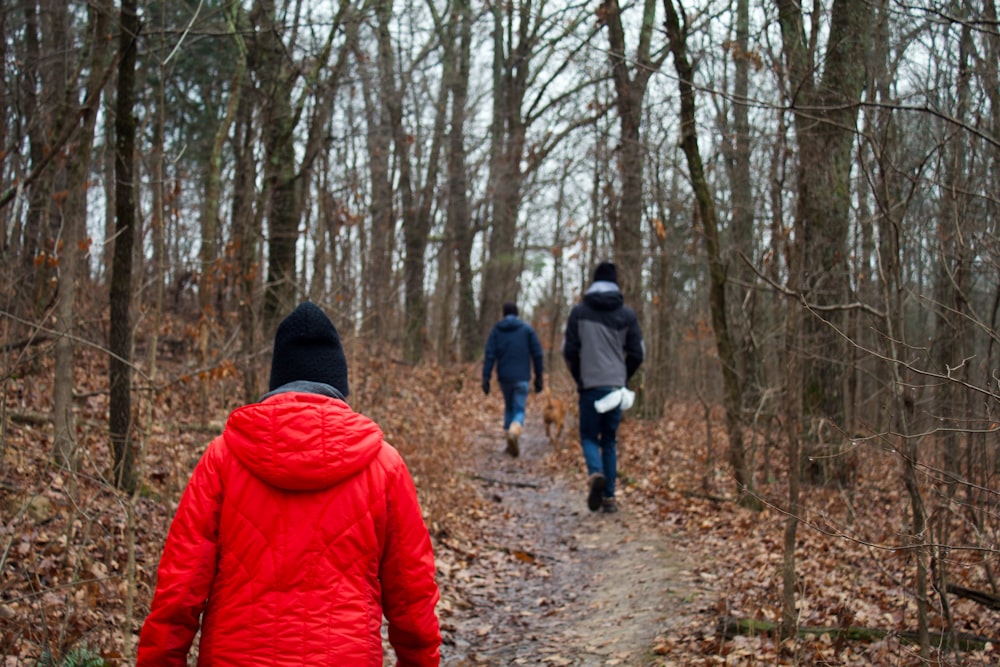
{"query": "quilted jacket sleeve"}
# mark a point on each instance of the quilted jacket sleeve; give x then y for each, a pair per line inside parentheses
(187, 568)
(409, 591)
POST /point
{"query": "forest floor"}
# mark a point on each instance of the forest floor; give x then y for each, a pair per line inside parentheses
(528, 575)
(555, 584)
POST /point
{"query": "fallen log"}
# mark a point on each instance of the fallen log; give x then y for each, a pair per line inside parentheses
(37, 339)
(729, 627)
(982, 597)
(30, 418)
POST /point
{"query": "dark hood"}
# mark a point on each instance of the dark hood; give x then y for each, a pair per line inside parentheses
(604, 296)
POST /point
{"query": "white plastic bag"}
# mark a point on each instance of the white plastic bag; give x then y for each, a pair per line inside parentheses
(628, 398)
(622, 396)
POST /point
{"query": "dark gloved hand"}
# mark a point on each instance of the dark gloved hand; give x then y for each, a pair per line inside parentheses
(538, 385)
(486, 388)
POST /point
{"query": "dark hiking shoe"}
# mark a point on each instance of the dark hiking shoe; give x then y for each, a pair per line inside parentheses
(609, 506)
(597, 483)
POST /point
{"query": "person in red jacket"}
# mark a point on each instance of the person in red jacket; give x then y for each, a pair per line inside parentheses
(298, 531)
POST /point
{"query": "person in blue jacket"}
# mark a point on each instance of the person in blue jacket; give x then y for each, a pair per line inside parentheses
(513, 347)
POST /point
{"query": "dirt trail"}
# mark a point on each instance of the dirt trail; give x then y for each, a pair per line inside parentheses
(555, 584)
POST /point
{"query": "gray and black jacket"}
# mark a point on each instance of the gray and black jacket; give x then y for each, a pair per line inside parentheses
(603, 345)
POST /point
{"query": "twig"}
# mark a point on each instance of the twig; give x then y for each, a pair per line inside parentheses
(490, 480)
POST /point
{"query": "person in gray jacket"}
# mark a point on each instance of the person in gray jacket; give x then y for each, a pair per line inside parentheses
(603, 349)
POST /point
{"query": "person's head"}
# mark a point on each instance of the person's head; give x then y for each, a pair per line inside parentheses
(510, 308)
(307, 347)
(607, 272)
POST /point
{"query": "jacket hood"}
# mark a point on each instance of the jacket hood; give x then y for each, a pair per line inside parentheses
(604, 295)
(510, 323)
(300, 441)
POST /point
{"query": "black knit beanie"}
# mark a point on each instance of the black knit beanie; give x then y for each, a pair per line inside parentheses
(307, 347)
(606, 271)
(510, 308)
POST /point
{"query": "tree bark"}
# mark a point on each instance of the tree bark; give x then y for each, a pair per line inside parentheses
(743, 317)
(120, 335)
(953, 279)
(417, 210)
(894, 293)
(459, 218)
(74, 240)
(276, 89)
(245, 222)
(825, 115)
(630, 92)
(732, 396)
(46, 82)
(381, 100)
(513, 46)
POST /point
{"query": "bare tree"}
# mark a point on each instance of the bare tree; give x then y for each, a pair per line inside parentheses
(630, 91)
(245, 211)
(732, 394)
(459, 220)
(527, 65)
(824, 92)
(383, 99)
(120, 334)
(740, 280)
(74, 239)
(515, 37)
(418, 201)
(45, 82)
(277, 77)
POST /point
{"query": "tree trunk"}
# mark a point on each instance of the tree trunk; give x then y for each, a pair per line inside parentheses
(894, 293)
(74, 244)
(276, 89)
(630, 91)
(208, 254)
(245, 223)
(660, 330)
(557, 306)
(513, 45)
(742, 313)
(120, 335)
(417, 214)
(953, 281)
(416, 224)
(459, 220)
(825, 116)
(47, 74)
(381, 99)
(732, 396)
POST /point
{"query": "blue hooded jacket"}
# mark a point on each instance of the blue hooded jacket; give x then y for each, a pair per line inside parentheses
(513, 346)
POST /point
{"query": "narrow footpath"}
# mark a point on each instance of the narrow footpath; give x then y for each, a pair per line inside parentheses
(555, 584)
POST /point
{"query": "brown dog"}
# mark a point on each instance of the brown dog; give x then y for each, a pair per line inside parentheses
(554, 415)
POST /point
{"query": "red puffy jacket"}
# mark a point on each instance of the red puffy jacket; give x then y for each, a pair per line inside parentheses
(298, 530)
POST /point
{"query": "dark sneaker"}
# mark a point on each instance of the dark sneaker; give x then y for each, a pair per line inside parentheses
(597, 483)
(513, 433)
(609, 506)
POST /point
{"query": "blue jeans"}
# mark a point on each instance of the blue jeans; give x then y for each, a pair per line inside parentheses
(598, 436)
(515, 397)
